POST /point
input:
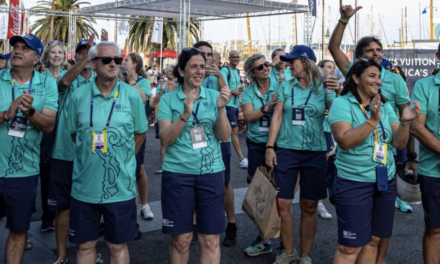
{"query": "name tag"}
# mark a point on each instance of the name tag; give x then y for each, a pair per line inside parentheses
(18, 126)
(298, 116)
(380, 152)
(198, 137)
(264, 124)
(99, 142)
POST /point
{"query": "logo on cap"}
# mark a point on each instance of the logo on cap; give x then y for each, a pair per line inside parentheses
(304, 55)
(28, 37)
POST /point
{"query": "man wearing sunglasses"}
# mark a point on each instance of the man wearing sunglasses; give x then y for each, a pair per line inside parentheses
(107, 122)
(63, 151)
(393, 88)
(28, 107)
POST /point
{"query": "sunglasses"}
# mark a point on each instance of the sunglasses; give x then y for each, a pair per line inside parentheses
(261, 66)
(108, 60)
(55, 41)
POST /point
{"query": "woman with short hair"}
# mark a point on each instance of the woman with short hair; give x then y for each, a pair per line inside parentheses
(54, 58)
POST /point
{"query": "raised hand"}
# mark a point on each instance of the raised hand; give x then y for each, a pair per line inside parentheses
(273, 102)
(104, 35)
(375, 106)
(347, 11)
(90, 41)
(409, 114)
(224, 97)
(189, 102)
(26, 102)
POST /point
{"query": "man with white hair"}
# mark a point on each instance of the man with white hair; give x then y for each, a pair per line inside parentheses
(107, 122)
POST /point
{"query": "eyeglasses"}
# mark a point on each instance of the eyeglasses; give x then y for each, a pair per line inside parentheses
(55, 41)
(261, 66)
(235, 57)
(108, 60)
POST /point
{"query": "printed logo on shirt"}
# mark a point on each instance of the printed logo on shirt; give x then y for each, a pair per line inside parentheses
(167, 223)
(71, 232)
(122, 108)
(349, 235)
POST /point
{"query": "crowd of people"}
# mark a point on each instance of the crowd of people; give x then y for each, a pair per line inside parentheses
(79, 128)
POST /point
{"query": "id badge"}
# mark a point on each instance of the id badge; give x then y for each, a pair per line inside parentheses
(298, 116)
(382, 178)
(198, 137)
(99, 141)
(380, 152)
(18, 126)
(264, 124)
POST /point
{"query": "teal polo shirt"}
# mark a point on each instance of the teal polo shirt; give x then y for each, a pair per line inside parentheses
(233, 83)
(310, 136)
(326, 126)
(274, 75)
(47, 74)
(251, 95)
(64, 148)
(103, 178)
(211, 82)
(21, 156)
(426, 92)
(393, 88)
(180, 157)
(357, 163)
(145, 86)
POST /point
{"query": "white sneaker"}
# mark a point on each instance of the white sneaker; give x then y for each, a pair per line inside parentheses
(146, 212)
(152, 125)
(244, 163)
(322, 211)
(59, 261)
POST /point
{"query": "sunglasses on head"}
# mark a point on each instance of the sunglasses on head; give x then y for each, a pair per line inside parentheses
(261, 66)
(57, 42)
(108, 60)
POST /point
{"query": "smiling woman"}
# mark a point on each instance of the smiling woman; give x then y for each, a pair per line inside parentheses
(54, 58)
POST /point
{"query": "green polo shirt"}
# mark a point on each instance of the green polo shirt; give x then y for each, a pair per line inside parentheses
(393, 88)
(211, 82)
(326, 126)
(21, 156)
(274, 75)
(145, 86)
(310, 136)
(105, 177)
(180, 157)
(357, 163)
(64, 148)
(251, 95)
(426, 92)
(47, 74)
(233, 83)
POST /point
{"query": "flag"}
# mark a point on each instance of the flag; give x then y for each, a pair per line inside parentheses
(157, 30)
(312, 4)
(424, 11)
(3, 25)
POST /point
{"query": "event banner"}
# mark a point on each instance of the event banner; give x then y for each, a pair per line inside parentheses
(416, 63)
(312, 4)
(3, 25)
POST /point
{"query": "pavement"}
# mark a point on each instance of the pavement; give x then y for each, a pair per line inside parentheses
(405, 245)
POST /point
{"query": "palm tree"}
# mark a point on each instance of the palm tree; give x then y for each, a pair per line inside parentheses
(41, 27)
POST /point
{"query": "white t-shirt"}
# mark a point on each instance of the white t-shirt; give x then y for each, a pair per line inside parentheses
(153, 92)
(151, 73)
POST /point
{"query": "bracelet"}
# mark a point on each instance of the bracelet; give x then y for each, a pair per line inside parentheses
(181, 118)
(343, 22)
(133, 83)
(404, 124)
(369, 122)
(270, 147)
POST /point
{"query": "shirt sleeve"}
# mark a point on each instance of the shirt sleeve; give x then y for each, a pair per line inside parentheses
(392, 117)
(164, 112)
(401, 90)
(72, 117)
(281, 88)
(245, 97)
(139, 117)
(340, 111)
(145, 86)
(51, 95)
(418, 94)
(224, 72)
(349, 67)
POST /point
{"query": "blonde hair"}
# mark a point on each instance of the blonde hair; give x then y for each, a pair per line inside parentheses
(249, 65)
(44, 58)
(314, 73)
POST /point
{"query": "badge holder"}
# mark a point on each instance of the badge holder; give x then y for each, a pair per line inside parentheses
(380, 156)
(99, 141)
(264, 123)
(18, 126)
(198, 137)
(380, 152)
(298, 116)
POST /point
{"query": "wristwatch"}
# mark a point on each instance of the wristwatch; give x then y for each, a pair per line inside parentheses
(31, 112)
(411, 156)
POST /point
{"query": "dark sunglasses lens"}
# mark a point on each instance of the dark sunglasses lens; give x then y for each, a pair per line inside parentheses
(106, 60)
(267, 64)
(118, 61)
(261, 67)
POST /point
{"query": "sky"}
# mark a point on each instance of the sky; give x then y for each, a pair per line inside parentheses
(276, 28)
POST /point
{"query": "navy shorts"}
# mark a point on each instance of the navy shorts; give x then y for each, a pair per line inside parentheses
(60, 185)
(363, 211)
(232, 114)
(120, 221)
(140, 157)
(17, 201)
(430, 188)
(226, 156)
(257, 157)
(182, 194)
(329, 141)
(313, 168)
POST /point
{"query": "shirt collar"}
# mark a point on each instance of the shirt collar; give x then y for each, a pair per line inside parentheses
(352, 98)
(82, 79)
(182, 96)
(297, 84)
(383, 73)
(96, 92)
(35, 80)
(271, 88)
(437, 79)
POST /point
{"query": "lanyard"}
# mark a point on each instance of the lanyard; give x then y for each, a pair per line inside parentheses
(267, 99)
(308, 97)
(111, 110)
(275, 75)
(13, 86)
(235, 77)
(207, 84)
(77, 82)
(376, 131)
(195, 114)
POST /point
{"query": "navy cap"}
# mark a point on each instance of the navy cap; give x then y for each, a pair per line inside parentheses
(82, 43)
(6, 56)
(299, 51)
(39, 63)
(386, 64)
(31, 40)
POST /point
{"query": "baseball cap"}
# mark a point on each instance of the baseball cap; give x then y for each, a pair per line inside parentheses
(6, 56)
(299, 51)
(386, 64)
(31, 40)
(83, 43)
